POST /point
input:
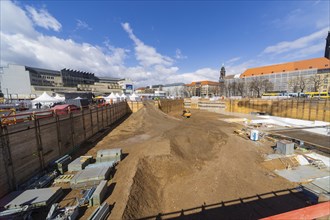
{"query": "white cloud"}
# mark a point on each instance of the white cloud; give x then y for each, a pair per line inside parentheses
(307, 15)
(146, 55)
(233, 60)
(81, 25)
(24, 45)
(14, 20)
(179, 55)
(300, 43)
(55, 53)
(307, 51)
(43, 19)
(198, 75)
(239, 68)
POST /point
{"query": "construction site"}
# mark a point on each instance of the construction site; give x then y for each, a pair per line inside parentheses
(170, 159)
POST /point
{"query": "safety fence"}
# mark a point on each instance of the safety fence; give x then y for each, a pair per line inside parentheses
(28, 148)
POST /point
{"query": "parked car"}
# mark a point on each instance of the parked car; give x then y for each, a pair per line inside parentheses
(65, 109)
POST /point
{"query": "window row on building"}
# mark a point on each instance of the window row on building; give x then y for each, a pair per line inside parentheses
(25, 81)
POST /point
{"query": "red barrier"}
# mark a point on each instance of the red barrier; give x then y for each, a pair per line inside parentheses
(310, 212)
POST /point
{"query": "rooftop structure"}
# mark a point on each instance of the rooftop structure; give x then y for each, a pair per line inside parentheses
(315, 63)
(204, 88)
(24, 82)
(203, 83)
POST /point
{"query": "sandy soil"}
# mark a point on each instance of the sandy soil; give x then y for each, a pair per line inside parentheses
(173, 163)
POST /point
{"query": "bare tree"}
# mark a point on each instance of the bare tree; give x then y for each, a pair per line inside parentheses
(181, 91)
(302, 83)
(234, 88)
(294, 83)
(259, 85)
(241, 87)
(256, 86)
(267, 85)
(214, 90)
(315, 80)
(188, 91)
(228, 89)
(176, 91)
(222, 89)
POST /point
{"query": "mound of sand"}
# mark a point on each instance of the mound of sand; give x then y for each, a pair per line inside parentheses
(174, 163)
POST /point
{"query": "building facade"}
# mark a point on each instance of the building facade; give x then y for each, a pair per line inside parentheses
(16, 82)
(126, 85)
(44, 77)
(71, 78)
(23, 82)
(203, 89)
(299, 76)
(176, 90)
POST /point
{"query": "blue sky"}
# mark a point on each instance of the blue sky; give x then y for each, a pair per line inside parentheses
(155, 42)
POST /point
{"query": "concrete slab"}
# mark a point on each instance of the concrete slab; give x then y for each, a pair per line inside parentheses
(109, 152)
(303, 174)
(102, 164)
(90, 177)
(33, 197)
(109, 155)
(318, 190)
(323, 183)
(79, 164)
(99, 193)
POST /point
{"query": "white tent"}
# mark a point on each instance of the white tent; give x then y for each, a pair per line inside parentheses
(111, 98)
(123, 97)
(118, 97)
(44, 100)
(59, 98)
(134, 97)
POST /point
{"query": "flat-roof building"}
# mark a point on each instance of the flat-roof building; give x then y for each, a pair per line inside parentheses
(204, 88)
(297, 76)
(24, 82)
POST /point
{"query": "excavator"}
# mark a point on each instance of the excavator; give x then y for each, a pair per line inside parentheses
(186, 113)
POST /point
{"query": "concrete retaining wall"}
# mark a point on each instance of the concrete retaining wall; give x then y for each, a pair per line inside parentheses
(135, 106)
(306, 109)
(168, 105)
(205, 104)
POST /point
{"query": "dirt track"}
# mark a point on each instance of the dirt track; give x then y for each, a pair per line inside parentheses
(174, 163)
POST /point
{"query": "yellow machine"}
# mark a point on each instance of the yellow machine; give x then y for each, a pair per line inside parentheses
(186, 113)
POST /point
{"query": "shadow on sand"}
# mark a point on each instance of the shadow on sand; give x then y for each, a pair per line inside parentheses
(253, 207)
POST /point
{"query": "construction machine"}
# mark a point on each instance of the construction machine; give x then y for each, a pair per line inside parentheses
(186, 113)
